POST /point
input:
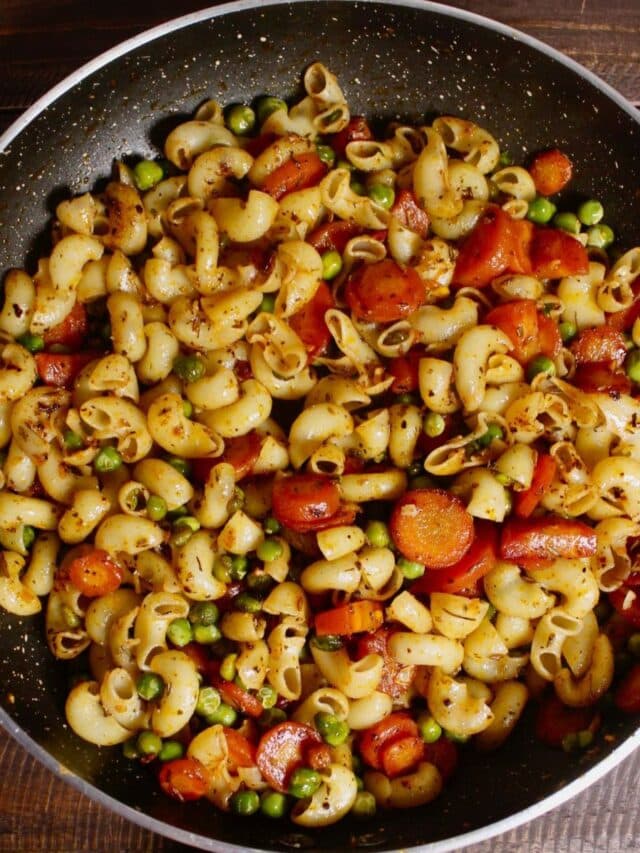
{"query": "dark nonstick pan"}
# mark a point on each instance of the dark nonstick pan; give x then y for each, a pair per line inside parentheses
(407, 59)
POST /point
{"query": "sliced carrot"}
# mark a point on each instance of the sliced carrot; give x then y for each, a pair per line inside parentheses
(60, 369)
(526, 501)
(600, 344)
(396, 677)
(384, 292)
(303, 500)
(95, 573)
(333, 236)
(373, 740)
(546, 538)
(241, 699)
(486, 252)
(471, 568)
(357, 129)
(184, 779)
(405, 370)
(401, 756)
(70, 332)
(549, 338)
(300, 172)
(444, 755)
(555, 254)
(309, 323)
(242, 753)
(282, 749)
(409, 213)
(350, 619)
(551, 171)
(555, 721)
(318, 757)
(519, 321)
(431, 526)
(601, 377)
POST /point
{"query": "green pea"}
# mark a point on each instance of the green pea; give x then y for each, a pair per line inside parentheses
(406, 399)
(600, 236)
(180, 632)
(241, 119)
(327, 155)
(271, 525)
(259, 583)
(273, 804)
(383, 195)
(327, 643)
(359, 784)
(178, 512)
(206, 634)
(270, 717)
(239, 567)
(268, 304)
(378, 535)
(358, 188)
(146, 174)
(632, 365)
(156, 508)
(568, 330)
(187, 408)
(224, 715)
(540, 364)
(343, 163)
(222, 569)
(208, 701)
(268, 696)
(505, 159)
(590, 212)
(430, 730)
(267, 105)
(491, 612)
(237, 501)
(180, 537)
(304, 783)
(72, 440)
(433, 424)
(107, 460)
(71, 619)
(247, 603)
(567, 221)
(34, 343)
(633, 645)
(150, 686)
(504, 479)
(570, 742)
(245, 803)
(456, 738)
(188, 521)
(585, 739)
(189, 368)
(494, 431)
(421, 482)
(332, 730)
(182, 466)
(410, 569)
(171, 749)
(28, 535)
(364, 805)
(204, 613)
(269, 550)
(130, 750)
(149, 743)
(541, 210)
(331, 264)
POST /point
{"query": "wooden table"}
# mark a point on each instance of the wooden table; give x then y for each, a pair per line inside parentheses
(43, 40)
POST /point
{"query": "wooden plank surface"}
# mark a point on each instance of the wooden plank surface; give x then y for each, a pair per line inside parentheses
(41, 41)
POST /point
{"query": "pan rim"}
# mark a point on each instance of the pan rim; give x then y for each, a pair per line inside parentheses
(152, 824)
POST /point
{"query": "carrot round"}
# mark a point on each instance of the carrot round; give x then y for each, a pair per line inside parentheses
(432, 527)
(525, 502)
(350, 619)
(551, 171)
(384, 292)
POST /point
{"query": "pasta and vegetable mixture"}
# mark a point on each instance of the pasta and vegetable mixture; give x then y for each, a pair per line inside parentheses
(324, 450)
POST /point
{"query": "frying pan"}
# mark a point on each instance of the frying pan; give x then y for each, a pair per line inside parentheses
(407, 59)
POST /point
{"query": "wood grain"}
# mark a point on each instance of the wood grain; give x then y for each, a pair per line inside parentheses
(41, 41)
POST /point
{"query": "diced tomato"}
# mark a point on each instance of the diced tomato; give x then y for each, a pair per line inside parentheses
(373, 741)
(309, 323)
(60, 369)
(333, 236)
(300, 172)
(623, 320)
(444, 755)
(282, 749)
(551, 171)
(401, 756)
(432, 527)
(242, 753)
(472, 567)
(405, 370)
(396, 677)
(384, 292)
(356, 130)
(600, 344)
(72, 331)
(350, 619)
(409, 213)
(303, 500)
(626, 602)
(184, 779)
(519, 321)
(318, 757)
(555, 254)
(238, 698)
(486, 252)
(526, 501)
(601, 377)
(546, 538)
(627, 696)
(555, 721)
(95, 573)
